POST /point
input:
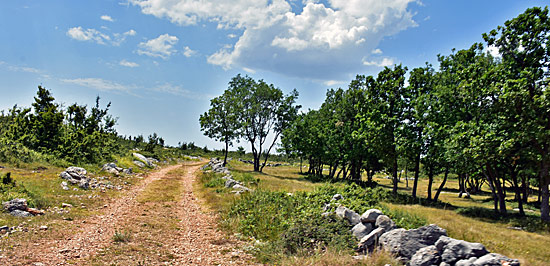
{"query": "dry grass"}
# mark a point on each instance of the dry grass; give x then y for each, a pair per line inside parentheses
(332, 257)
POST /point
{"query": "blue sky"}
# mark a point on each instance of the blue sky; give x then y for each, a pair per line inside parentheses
(160, 61)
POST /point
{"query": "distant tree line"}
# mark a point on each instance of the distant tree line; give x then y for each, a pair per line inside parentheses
(484, 118)
(76, 134)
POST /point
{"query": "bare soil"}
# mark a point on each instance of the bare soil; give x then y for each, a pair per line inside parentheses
(159, 221)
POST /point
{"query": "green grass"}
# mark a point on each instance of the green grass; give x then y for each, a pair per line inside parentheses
(471, 219)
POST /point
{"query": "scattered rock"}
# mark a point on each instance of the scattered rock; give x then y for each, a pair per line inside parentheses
(360, 230)
(76, 176)
(241, 188)
(453, 250)
(426, 256)
(15, 204)
(405, 243)
(494, 259)
(64, 185)
(352, 217)
(337, 197)
(143, 159)
(383, 221)
(370, 216)
(43, 228)
(368, 241)
(66, 205)
(230, 183)
(139, 164)
(20, 213)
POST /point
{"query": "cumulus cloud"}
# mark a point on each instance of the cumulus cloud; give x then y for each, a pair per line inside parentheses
(180, 91)
(125, 63)
(325, 40)
(187, 52)
(162, 46)
(99, 84)
(107, 18)
(93, 35)
(382, 63)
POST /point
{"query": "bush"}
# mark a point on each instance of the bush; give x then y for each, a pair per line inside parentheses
(310, 233)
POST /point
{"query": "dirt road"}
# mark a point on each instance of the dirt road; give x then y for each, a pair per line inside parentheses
(159, 221)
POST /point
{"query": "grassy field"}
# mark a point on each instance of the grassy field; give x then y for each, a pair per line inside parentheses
(498, 235)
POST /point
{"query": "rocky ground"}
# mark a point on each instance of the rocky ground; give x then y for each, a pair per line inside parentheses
(141, 227)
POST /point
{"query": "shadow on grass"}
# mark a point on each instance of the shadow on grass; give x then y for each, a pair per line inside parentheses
(529, 222)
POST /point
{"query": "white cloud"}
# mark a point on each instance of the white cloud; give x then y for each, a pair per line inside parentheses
(333, 82)
(130, 33)
(162, 46)
(107, 18)
(383, 63)
(249, 70)
(98, 84)
(326, 40)
(125, 63)
(376, 51)
(179, 91)
(231, 36)
(80, 34)
(187, 52)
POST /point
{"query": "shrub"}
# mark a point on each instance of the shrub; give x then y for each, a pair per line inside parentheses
(312, 233)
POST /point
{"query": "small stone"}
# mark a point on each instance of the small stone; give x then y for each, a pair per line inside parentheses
(44, 227)
(66, 205)
(337, 197)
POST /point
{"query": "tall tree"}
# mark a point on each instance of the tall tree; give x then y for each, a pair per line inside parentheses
(525, 48)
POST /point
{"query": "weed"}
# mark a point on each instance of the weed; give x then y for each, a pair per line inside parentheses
(121, 236)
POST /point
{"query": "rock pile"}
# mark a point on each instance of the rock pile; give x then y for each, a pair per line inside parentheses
(217, 167)
(75, 176)
(19, 208)
(143, 161)
(114, 169)
(424, 246)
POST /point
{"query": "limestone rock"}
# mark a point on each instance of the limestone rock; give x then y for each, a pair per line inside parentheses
(426, 256)
(383, 221)
(494, 259)
(337, 197)
(360, 230)
(139, 164)
(370, 216)
(352, 217)
(15, 204)
(405, 243)
(453, 250)
(368, 241)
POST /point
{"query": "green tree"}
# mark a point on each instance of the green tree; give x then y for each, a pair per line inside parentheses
(261, 111)
(47, 121)
(220, 121)
(524, 45)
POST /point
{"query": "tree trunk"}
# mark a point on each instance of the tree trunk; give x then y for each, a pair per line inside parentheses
(525, 184)
(499, 193)
(430, 182)
(416, 174)
(442, 184)
(301, 164)
(394, 170)
(544, 181)
(517, 189)
(226, 152)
